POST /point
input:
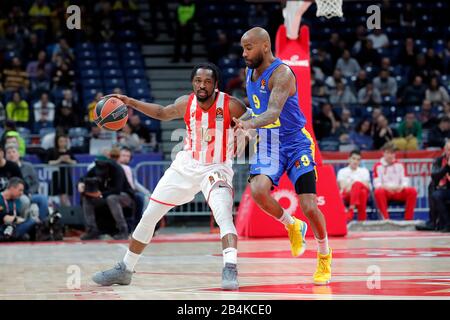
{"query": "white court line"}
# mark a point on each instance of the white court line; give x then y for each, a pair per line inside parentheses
(404, 238)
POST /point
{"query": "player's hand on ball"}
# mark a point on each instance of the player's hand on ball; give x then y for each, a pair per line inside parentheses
(126, 100)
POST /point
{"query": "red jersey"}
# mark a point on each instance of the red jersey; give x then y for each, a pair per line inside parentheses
(209, 132)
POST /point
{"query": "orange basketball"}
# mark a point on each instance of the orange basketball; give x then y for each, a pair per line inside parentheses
(111, 113)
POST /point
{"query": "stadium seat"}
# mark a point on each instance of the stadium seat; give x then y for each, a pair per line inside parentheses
(89, 73)
(91, 83)
(112, 73)
(108, 55)
(114, 83)
(111, 63)
(133, 63)
(135, 73)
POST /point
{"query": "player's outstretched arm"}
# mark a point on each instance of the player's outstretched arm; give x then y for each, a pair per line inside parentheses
(157, 111)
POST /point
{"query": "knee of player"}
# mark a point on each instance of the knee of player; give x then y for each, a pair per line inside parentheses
(309, 208)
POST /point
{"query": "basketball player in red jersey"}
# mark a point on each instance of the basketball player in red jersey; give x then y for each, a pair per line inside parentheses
(203, 165)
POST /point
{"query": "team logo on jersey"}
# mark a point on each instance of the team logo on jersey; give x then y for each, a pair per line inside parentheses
(219, 114)
(297, 164)
(211, 179)
(263, 84)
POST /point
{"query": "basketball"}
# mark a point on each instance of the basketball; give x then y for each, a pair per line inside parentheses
(111, 113)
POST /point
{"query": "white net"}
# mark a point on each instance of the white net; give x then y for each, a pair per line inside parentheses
(329, 8)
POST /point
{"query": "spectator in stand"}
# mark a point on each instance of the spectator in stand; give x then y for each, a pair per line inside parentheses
(11, 131)
(410, 133)
(91, 106)
(383, 134)
(342, 96)
(40, 63)
(434, 61)
(9, 207)
(8, 169)
(63, 49)
(14, 138)
(126, 138)
(40, 18)
(184, 30)
(369, 95)
(323, 61)
(61, 157)
(141, 194)
(379, 39)
(15, 78)
(331, 81)
(361, 137)
(32, 48)
(436, 93)
(440, 196)
(421, 69)
(376, 112)
(354, 185)
(44, 113)
(439, 134)
(368, 56)
(414, 94)
(391, 183)
(30, 177)
(348, 65)
(386, 65)
(426, 116)
(40, 84)
(408, 53)
(326, 122)
(138, 128)
(361, 80)
(333, 48)
(386, 85)
(67, 111)
(360, 38)
(63, 77)
(17, 110)
(446, 58)
(408, 17)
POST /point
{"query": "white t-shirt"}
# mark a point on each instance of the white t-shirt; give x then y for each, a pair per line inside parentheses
(348, 175)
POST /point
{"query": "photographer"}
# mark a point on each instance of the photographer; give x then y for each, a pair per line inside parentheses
(32, 183)
(13, 227)
(106, 184)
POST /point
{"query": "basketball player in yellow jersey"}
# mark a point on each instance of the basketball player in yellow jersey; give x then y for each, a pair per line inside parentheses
(272, 91)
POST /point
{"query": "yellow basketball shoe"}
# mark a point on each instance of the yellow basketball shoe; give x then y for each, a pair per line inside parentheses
(297, 232)
(322, 276)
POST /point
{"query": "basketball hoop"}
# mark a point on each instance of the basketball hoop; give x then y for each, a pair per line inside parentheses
(329, 8)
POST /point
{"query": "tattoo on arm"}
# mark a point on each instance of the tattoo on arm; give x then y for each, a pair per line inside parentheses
(282, 83)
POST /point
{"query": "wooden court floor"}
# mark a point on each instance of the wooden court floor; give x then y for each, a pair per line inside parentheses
(370, 265)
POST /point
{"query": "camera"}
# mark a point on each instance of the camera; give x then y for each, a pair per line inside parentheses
(8, 231)
(92, 184)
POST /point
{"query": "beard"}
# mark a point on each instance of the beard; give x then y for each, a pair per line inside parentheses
(256, 62)
(205, 97)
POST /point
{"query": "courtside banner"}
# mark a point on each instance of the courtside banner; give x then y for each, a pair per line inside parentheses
(251, 221)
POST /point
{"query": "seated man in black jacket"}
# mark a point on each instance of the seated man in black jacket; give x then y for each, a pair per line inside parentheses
(105, 183)
(440, 194)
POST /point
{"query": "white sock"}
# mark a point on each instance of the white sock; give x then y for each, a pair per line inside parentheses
(286, 219)
(130, 260)
(230, 255)
(322, 246)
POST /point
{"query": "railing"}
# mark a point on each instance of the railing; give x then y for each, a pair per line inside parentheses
(55, 180)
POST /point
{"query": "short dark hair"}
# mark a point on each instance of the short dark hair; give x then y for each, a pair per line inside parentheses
(124, 148)
(209, 66)
(356, 151)
(14, 182)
